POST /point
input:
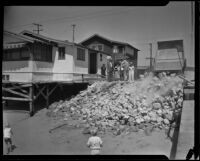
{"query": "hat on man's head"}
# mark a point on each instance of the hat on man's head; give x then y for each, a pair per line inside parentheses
(93, 131)
(7, 124)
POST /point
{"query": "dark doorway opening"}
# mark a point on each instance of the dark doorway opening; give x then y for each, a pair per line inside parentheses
(92, 63)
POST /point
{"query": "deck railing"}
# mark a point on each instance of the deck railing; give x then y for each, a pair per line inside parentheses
(52, 77)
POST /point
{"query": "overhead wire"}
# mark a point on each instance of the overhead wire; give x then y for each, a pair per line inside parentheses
(79, 17)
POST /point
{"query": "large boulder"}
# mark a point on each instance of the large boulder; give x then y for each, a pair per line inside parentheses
(166, 121)
(156, 106)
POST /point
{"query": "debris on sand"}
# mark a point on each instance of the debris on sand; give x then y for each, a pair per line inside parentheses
(120, 106)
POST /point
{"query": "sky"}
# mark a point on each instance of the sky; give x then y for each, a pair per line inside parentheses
(135, 25)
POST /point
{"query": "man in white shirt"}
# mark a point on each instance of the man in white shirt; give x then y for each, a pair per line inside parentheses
(95, 143)
(7, 137)
(131, 72)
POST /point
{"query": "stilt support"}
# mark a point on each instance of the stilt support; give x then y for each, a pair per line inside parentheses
(47, 96)
(31, 102)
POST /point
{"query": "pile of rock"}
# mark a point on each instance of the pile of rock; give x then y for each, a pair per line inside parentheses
(124, 106)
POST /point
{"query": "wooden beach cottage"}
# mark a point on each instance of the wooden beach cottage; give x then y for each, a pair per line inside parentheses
(35, 65)
(118, 50)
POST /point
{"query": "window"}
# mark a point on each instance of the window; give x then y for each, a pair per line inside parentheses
(80, 54)
(100, 47)
(16, 54)
(5, 55)
(101, 57)
(120, 49)
(42, 52)
(97, 47)
(24, 53)
(5, 77)
(61, 53)
(93, 47)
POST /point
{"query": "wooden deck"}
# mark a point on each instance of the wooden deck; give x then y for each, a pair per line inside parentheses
(30, 91)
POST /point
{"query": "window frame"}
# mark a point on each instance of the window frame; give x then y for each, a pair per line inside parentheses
(37, 51)
(3, 77)
(120, 49)
(81, 55)
(61, 53)
(96, 47)
(8, 54)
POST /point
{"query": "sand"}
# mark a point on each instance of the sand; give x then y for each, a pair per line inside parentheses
(32, 137)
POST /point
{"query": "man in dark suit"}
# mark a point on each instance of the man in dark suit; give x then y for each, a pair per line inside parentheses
(103, 70)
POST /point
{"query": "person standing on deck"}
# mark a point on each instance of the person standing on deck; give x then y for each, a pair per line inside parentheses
(109, 68)
(121, 72)
(117, 72)
(103, 70)
(125, 65)
(131, 72)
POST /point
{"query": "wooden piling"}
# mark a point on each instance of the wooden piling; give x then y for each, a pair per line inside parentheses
(31, 102)
(47, 96)
(3, 103)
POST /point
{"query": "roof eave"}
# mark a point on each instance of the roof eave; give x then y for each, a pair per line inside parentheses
(47, 38)
(18, 35)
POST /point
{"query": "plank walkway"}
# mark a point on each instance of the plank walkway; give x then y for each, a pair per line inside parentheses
(186, 133)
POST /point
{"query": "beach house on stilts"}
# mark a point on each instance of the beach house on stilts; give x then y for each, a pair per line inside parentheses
(34, 65)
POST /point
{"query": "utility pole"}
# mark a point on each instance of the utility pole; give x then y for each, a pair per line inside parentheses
(192, 27)
(151, 64)
(73, 32)
(38, 28)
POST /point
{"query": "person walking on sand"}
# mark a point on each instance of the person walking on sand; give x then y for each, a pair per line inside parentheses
(131, 72)
(95, 143)
(7, 132)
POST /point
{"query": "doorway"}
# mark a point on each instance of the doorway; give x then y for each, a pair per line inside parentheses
(92, 63)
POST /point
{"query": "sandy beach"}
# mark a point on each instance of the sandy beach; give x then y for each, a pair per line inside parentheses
(32, 137)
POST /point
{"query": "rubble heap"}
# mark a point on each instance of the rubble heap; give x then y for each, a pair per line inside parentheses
(124, 106)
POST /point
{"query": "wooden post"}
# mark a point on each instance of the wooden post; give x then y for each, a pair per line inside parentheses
(82, 78)
(31, 102)
(150, 56)
(47, 96)
(3, 102)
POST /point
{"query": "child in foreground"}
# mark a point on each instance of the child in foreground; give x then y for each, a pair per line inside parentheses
(95, 143)
(7, 137)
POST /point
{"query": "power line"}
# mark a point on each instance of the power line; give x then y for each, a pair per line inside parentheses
(89, 15)
(80, 17)
(38, 28)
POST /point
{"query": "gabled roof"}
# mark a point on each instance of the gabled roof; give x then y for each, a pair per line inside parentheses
(43, 38)
(111, 41)
(18, 36)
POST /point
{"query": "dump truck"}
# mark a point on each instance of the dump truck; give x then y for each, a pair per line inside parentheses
(169, 57)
